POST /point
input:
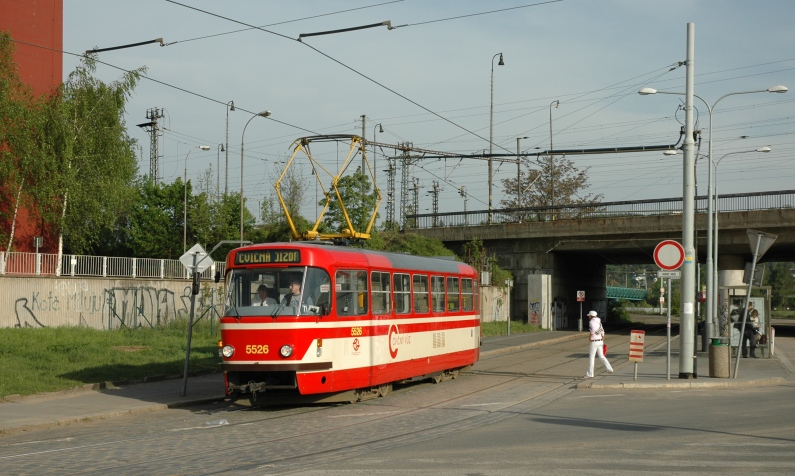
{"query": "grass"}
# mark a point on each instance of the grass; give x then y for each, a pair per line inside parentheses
(59, 358)
(501, 328)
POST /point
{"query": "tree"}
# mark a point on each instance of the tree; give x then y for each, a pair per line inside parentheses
(558, 183)
(779, 278)
(407, 243)
(20, 119)
(155, 220)
(91, 166)
(358, 199)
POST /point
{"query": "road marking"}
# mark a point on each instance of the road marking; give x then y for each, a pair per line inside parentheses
(483, 404)
(362, 414)
(597, 396)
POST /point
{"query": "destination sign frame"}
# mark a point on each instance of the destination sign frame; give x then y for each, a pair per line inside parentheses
(258, 257)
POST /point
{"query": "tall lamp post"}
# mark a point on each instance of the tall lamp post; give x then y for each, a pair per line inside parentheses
(519, 176)
(219, 149)
(185, 198)
(551, 158)
(230, 106)
(712, 256)
(491, 126)
(375, 169)
(242, 139)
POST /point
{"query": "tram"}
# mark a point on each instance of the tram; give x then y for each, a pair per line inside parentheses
(307, 322)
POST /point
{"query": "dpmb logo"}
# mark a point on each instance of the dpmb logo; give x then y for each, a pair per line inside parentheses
(396, 340)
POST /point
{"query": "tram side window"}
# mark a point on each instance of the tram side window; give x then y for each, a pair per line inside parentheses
(351, 287)
(420, 293)
(453, 296)
(402, 293)
(437, 293)
(379, 283)
(466, 295)
(477, 294)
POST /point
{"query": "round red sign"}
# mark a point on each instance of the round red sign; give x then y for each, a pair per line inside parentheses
(669, 255)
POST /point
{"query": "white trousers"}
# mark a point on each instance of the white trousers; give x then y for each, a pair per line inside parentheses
(596, 349)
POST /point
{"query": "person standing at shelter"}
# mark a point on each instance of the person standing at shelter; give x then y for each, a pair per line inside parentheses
(597, 335)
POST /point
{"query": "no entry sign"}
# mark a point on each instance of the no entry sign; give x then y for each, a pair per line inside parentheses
(669, 255)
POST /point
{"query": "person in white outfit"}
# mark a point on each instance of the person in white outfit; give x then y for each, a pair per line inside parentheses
(597, 341)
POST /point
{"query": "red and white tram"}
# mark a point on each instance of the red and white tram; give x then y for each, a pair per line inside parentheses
(363, 320)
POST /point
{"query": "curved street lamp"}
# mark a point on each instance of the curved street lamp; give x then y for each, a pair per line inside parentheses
(219, 149)
(375, 169)
(185, 198)
(230, 106)
(551, 157)
(519, 177)
(242, 138)
(491, 126)
(712, 255)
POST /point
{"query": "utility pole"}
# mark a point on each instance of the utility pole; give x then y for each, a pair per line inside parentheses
(435, 194)
(390, 194)
(416, 190)
(153, 115)
(688, 281)
(405, 164)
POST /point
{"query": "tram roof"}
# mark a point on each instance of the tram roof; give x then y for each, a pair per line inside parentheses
(370, 258)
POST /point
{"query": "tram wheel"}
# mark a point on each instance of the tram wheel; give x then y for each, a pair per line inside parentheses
(383, 390)
(437, 378)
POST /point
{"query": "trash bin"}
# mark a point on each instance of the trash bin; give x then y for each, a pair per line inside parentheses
(719, 362)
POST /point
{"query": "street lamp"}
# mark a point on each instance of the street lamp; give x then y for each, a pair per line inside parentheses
(375, 169)
(551, 158)
(185, 198)
(491, 126)
(712, 264)
(519, 177)
(220, 148)
(715, 237)
(259, 114)
(230, 106)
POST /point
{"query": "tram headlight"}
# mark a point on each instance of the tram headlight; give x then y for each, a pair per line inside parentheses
(227, 351)
(286, 350)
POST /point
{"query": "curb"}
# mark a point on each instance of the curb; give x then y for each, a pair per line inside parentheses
(685, 384)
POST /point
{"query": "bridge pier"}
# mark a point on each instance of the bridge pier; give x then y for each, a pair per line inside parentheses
(569, 274)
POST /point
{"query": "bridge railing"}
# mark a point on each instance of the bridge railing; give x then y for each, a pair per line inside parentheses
(649, 207)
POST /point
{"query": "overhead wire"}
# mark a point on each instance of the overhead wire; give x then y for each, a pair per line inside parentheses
(344, 65)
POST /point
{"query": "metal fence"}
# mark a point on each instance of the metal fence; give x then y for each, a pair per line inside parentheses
(664, 206)
(46, 264)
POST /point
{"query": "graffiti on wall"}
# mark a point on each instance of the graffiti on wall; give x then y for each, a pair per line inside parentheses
(534, 314)
(111, 307)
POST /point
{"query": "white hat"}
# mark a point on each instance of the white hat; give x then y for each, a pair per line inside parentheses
(592, 314)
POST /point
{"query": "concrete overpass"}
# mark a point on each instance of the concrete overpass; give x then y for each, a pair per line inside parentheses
(575, 243)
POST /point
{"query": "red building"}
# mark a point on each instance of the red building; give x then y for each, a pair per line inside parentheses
(40, 23)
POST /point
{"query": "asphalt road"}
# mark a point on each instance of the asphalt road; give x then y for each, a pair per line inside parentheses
(514, 413)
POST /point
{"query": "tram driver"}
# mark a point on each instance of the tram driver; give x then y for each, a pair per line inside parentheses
(294, 298)
(263, 296)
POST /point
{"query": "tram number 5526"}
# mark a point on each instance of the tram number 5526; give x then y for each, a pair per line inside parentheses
(257, 349)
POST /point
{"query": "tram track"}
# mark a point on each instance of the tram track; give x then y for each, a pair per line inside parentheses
(307, 436)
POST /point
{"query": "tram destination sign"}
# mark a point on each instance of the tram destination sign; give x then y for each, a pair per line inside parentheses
(267, 257)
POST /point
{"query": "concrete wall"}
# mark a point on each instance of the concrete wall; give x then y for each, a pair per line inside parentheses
(495, 303)
(101, 303)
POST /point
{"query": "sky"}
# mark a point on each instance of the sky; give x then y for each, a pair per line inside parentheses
(428, 81)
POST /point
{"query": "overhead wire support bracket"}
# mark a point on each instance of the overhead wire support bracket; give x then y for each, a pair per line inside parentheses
(387, 23)
(131, 45)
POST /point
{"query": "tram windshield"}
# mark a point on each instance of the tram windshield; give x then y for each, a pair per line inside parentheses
(277, 292)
